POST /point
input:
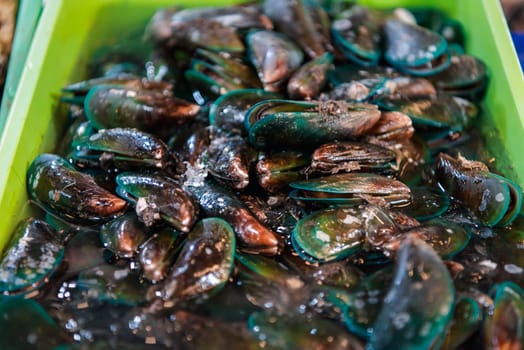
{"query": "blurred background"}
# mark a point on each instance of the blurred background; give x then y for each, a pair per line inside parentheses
(514, 11)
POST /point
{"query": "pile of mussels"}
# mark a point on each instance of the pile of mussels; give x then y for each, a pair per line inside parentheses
(308, 187)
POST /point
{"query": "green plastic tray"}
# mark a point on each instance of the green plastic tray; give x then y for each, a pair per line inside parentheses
(26, 22)
(70, 32)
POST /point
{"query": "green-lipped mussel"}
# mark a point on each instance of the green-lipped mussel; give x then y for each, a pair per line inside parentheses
(268, 177)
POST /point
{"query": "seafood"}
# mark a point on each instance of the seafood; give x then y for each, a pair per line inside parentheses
(70, 194)
(158, 197)
(270, 178)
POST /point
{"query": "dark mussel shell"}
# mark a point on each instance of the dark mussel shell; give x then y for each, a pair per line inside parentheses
(274, 56)
(306, 125)
(203, 265)
(494, 199)
(158, 197)
(419, 304)
(70, 194)
(32, 255)
(123, 148)
(352, 188)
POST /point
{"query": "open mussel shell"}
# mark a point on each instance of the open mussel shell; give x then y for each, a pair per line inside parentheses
(158, 197)
(419, 304)
(414, 49)
(356, 32)
(32, 255)
(352, 188)
(203, 265)
(306, 125)
(227, 112)
(330, 234)
(335, 233)
(124, 148)
(504, 327)
(494, 199)
(70, 194)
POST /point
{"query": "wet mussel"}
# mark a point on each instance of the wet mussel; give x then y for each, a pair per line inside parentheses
(291, 174)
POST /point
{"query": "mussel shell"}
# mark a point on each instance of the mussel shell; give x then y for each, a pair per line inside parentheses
(494, 199)
(204, 264)
(352, 156)
(356, 32)
(123, 80)
(256, 266)
(123, 235)
(409, 45)
(307, 81)
(467, 316)
(302, 21)
(330, 234)
(504, 327)
(276, 170)
(252, 236)
(156, 255)
(445, 237)
(373, 77)
(112, 107)
(442, 112)
(352, 188)
(274, 56)
(306, 125)
(227, 112)
(338, 274)
(205, 33)
(465, 76)
(419, 304)
(229, 159)
(230, 68)
(366, 301)
(157, 196)
(124, 147)
(32, 255)
(70, 194)
(238, 17)
(217, 74)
